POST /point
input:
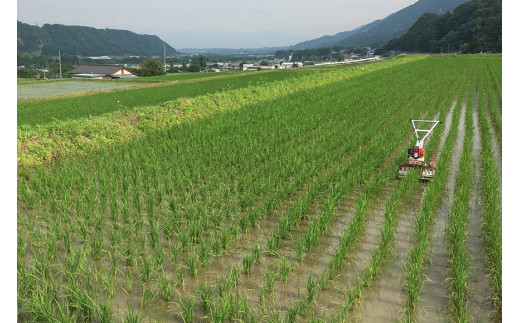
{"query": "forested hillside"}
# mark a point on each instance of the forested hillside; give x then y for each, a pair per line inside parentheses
(88, 41)
(379, 32)
(472, 27)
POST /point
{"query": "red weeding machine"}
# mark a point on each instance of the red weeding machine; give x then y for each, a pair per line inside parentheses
(416, 153)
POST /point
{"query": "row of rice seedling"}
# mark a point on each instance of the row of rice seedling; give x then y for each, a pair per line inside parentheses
(316, 227)
(456, 231)
(350, 237)
(413, 280)
(82, 191)
(492, 225)
(285, 265)
(262, 289)
(282, 260)
(336, 193)
(493, 104)
(494, 67)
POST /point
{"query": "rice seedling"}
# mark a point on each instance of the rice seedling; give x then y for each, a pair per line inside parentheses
(205, 292)
(145, 267)
(247, 263)
(269, 277)
(233, 276)
(165, 287)
(132, 317)
(192, 263)
(204, 253)
(285, 269)
(180, 274)
(104, 312)
(261, 297)
(256, 253)
(298, 248)
(147, 296)
(187, 304)
(129, 282)
(311, 288)
(109, 284)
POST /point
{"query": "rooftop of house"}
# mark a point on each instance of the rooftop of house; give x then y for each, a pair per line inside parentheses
(96, 69)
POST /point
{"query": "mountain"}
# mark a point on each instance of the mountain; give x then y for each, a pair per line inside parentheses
(472, 27)
(379, 32)
(88, 41)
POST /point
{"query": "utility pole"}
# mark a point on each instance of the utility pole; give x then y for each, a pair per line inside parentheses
(164, 58)
(59, 58)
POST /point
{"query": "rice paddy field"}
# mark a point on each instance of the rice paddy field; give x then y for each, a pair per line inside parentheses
(265, 197)
(63, 87)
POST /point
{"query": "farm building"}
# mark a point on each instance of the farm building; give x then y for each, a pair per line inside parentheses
(101, 72)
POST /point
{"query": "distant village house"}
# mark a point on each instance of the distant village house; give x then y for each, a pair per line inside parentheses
(101, 72)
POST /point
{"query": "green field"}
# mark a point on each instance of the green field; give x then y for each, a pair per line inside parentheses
(267, 196)
(75, 107)
(47, 89)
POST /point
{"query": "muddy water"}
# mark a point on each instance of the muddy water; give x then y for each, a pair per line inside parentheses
(385, 297)
(219, 266)
(480, 306)
(446, 127)
(433, 306)
(316, 260)
(287, 292)
(333, 295)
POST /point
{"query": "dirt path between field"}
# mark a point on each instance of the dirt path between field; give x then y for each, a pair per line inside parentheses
(480, 292)
(433, 307)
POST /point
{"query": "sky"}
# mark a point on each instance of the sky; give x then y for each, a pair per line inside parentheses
(214, 24)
